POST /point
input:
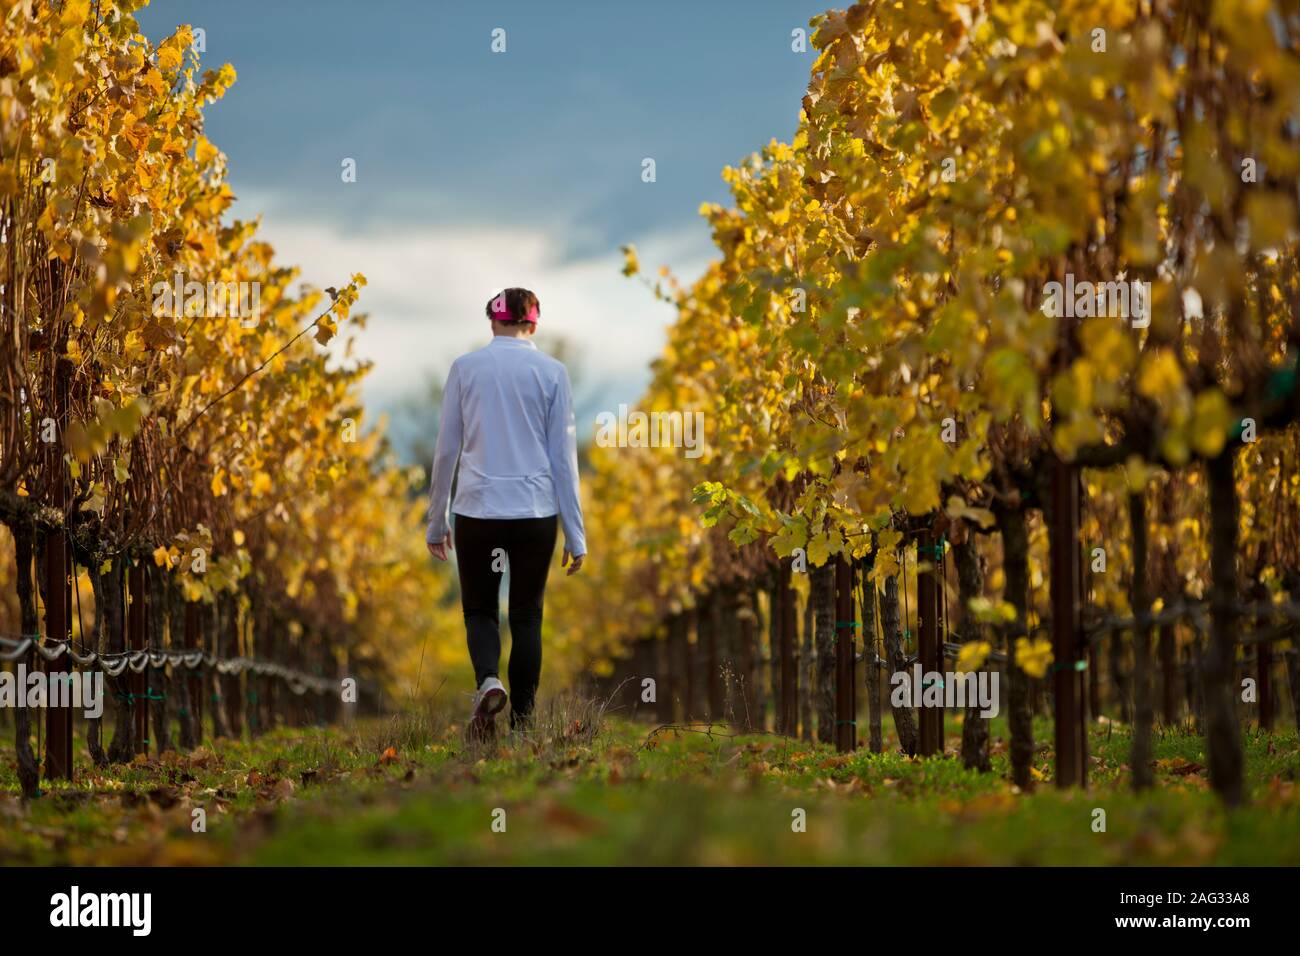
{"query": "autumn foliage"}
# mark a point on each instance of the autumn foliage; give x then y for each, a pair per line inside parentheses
(167, 399)
(871, 346)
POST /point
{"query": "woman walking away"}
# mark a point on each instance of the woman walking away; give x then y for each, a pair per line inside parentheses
(507, 416)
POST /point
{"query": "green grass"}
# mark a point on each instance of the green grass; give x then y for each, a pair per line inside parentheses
(584, 789)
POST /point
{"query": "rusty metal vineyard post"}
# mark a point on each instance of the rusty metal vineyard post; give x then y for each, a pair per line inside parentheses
(194, 682)
(718, 652)
(58, 627)
(846, 705)
(137, 682)
(789, 723)
(1067, 628)
(747, 657)
(58, 588)
(930, 650)
(689, 710)
(231, 689)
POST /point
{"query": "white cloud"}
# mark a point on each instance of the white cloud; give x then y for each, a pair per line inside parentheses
(427, 287)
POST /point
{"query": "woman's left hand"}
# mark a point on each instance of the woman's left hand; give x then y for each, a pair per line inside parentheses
(439, 549)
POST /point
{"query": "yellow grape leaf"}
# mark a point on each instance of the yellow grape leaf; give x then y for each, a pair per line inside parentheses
(793, 535)
(1109, 345)
(819, 549)
(1212, 419)
(325, 330)
(888, 540)
(631, 265)
(992, 612)
(1034, 657)
(1160, 376)
(972, 656)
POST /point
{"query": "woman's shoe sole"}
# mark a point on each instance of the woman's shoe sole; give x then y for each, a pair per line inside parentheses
(491, 704)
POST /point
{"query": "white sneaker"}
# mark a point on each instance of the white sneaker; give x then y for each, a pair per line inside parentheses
(489, 700)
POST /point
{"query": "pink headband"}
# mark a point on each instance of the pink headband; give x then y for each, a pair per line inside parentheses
(501, 311)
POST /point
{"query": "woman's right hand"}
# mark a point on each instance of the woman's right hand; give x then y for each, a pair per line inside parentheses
(574, 563)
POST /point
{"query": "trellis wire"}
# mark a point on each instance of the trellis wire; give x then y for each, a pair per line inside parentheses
(113, 664)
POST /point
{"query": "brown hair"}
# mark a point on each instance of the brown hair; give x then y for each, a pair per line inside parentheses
(519, 302)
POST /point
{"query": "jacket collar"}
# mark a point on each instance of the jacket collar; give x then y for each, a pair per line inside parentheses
(511, 342)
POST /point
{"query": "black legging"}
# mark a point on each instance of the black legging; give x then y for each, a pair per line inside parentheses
(529, 544)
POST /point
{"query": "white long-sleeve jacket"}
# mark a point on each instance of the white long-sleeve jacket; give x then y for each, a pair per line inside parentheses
(507, 415)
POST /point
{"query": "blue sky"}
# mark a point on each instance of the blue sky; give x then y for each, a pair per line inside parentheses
(477, 170)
